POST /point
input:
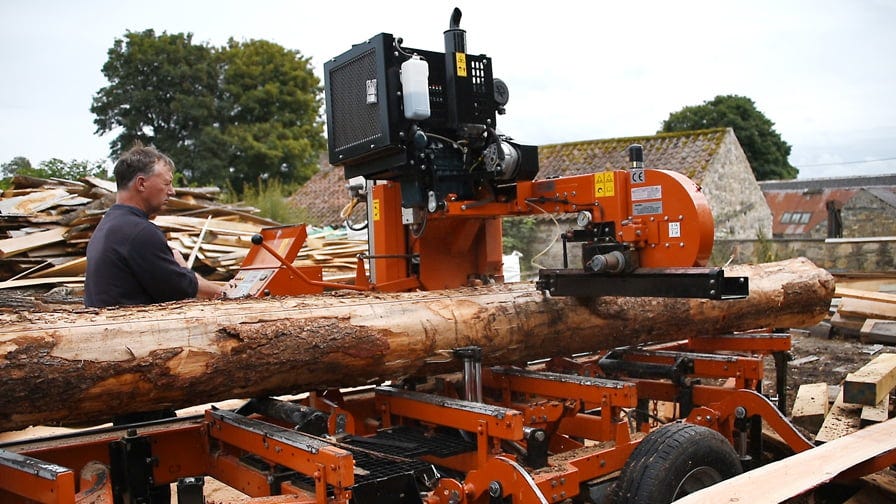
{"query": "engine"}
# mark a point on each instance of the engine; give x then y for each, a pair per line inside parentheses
(424, 119)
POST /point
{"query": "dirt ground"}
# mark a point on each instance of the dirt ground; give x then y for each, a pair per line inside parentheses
(820, 359)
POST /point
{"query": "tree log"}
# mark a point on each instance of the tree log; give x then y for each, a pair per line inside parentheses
(86, 365)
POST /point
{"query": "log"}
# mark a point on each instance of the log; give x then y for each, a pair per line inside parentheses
(86, 365)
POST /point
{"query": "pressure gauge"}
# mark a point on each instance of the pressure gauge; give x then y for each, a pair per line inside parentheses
(583, 218)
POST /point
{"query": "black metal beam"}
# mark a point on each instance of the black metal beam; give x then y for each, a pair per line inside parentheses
(703, 283)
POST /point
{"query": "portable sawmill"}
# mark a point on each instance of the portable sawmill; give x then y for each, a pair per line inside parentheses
(416, 133)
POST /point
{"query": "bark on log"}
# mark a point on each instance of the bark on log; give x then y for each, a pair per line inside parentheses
(86, 365)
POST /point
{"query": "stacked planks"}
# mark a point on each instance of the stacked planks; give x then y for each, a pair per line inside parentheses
(45, 225)
(870, 315)
(832, 411)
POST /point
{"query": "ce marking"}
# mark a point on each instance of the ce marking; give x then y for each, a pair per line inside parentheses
(637, 176)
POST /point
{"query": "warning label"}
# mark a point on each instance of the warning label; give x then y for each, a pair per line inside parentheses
(376, 210)
(461, 60)
(651, 208)
(603, 185)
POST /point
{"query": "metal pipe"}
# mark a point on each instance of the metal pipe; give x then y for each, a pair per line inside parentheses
(472, 358)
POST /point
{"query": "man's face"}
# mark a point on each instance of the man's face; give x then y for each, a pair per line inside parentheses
(156, 188)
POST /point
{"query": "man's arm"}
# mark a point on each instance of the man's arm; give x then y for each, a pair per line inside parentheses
(208, 289)
(205, 289)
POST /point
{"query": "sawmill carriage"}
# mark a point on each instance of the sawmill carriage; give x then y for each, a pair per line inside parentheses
(416, 132)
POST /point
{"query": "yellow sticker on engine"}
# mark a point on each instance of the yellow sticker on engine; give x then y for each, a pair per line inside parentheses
(460, 60)
(604, 185)
(376, 210)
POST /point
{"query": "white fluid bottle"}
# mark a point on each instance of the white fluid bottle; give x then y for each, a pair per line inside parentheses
(415, 88)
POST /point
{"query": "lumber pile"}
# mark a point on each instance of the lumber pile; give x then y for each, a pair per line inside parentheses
(830, 412)
(45, 226)
(867, 314)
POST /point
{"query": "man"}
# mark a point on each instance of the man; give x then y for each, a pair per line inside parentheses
(129, 261)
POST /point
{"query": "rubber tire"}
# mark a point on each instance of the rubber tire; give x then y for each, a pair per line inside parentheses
(669, 454)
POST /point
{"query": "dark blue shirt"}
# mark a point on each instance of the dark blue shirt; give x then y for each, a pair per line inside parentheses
(129, 262)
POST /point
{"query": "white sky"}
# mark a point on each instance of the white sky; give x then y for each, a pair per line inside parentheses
(823, 71)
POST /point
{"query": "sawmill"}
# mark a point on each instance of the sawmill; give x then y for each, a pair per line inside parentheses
(630, 373)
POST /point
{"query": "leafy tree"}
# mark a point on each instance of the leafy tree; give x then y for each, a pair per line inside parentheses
(54, 168)
(72, 170)
(161, 92)
(225, 115)
(18, 164)
(272, 100)
(766, 151)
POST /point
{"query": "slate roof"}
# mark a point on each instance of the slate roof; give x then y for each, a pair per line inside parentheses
(811, 196)
(854, 182)
(689, 153)
(812, 202)
(323, 196)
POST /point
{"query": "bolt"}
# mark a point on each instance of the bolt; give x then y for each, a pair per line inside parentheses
(494, 489)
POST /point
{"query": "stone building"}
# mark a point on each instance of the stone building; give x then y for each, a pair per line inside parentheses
(847, 207)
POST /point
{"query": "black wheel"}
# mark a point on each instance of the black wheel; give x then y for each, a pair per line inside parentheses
(673, 461)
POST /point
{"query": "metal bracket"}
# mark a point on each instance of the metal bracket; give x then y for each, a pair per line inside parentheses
(703, 283)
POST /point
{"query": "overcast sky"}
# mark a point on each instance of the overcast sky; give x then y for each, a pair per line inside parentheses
(823, 71)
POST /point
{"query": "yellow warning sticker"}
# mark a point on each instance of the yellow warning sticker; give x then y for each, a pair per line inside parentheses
(376, 210)
(603, 185)
(461, 60)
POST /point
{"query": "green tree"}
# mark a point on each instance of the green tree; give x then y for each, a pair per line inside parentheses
(766, 151)
(161, 92)
(72, 170)
(17, 165)
(54, 168)
(272, 101)
(225, 115)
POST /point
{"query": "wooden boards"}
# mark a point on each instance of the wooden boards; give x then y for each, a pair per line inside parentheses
(810, 406)
(872, 382)
(799, 473)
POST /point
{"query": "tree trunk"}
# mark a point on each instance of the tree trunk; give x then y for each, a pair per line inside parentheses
(87, 365)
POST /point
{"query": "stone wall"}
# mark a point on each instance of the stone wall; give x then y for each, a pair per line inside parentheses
(738, 205)
(843, 255)
(867, 215)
